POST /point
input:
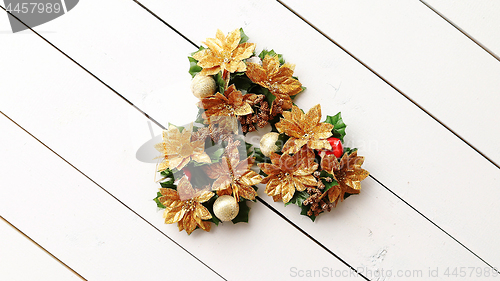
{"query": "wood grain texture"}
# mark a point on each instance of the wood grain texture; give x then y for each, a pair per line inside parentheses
(21, 259)
(405, 149)
(477, 19)
(423, 56)
(99, 133)
(144, 61)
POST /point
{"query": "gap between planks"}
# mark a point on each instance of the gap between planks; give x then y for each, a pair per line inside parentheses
(389, 83)
(40, 246)
(461, 30)
(260, 200)
(161, 126)
(109, 193)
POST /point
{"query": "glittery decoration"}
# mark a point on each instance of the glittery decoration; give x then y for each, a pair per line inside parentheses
(226, 208)
(304, 129)
(203, 86)
(178, 150)
(187, 213)
(268, 143)
(348, 173)
(232, 176)
(224, 54)
(232, 104)
(288, 173)
(277, 79)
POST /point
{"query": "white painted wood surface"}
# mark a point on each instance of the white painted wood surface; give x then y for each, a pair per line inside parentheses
(142, 59)
(21, 259)
(478, 19)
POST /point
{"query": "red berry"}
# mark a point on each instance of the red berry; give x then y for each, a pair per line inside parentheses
(337, 149)
(187, 173)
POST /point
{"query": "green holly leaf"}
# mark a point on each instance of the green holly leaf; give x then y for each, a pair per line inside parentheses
(244, 37)
(304, 210)
(328, 185)
(158, 203)
(338, 126)
(260, 157)
(249, 148)
(168, 184)
(199, 117)
(281, 141)
(349, 150)
(271, 53)
(241, 82)
(269, 96)
(167, 173)
(298, 198)
(243, 213)
(210, 207)
(194, 68)
(220, 83)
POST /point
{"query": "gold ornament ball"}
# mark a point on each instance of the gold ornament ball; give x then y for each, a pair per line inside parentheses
(226, 208)
(268, 143)
(202, 86)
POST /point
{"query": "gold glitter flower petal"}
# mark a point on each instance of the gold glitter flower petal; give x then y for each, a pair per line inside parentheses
(189, 223)
(202, 213)
(298, 184)
(222, 182)
(319, 144)
(243, 51)
(201, 158)
(278, 80)
(277, 198)
(204, 197)
(243, 110)
(308, 180)
(313, 116)
(224, 53)
(289, 173)
(323, 130)
(288, 192)
(245, 191)
(250, 178)
(178, 150)
(289, 127)
(347, 172)
(187, 213)
(304, 129)
(293, 145)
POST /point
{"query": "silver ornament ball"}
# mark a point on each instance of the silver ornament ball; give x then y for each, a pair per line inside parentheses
(226, 208)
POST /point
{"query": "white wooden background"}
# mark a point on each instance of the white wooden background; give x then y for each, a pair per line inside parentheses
(418, 86)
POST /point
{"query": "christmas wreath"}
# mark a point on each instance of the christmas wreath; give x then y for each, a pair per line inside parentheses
(207, 168)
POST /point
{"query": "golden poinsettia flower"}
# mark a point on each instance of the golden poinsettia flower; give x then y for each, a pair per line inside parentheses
(187, 213)
(232, 176)
(304, 129)
(178, 150)
(233, 103)
(288, 173)
(348, 173)
(277, 79)
(224, 54)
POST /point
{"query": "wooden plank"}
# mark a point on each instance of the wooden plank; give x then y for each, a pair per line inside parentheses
(477, 19)
(21, 259)
(403, 224)
(79, 223)
(405, 149)
(99, 133)
(423, 56)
